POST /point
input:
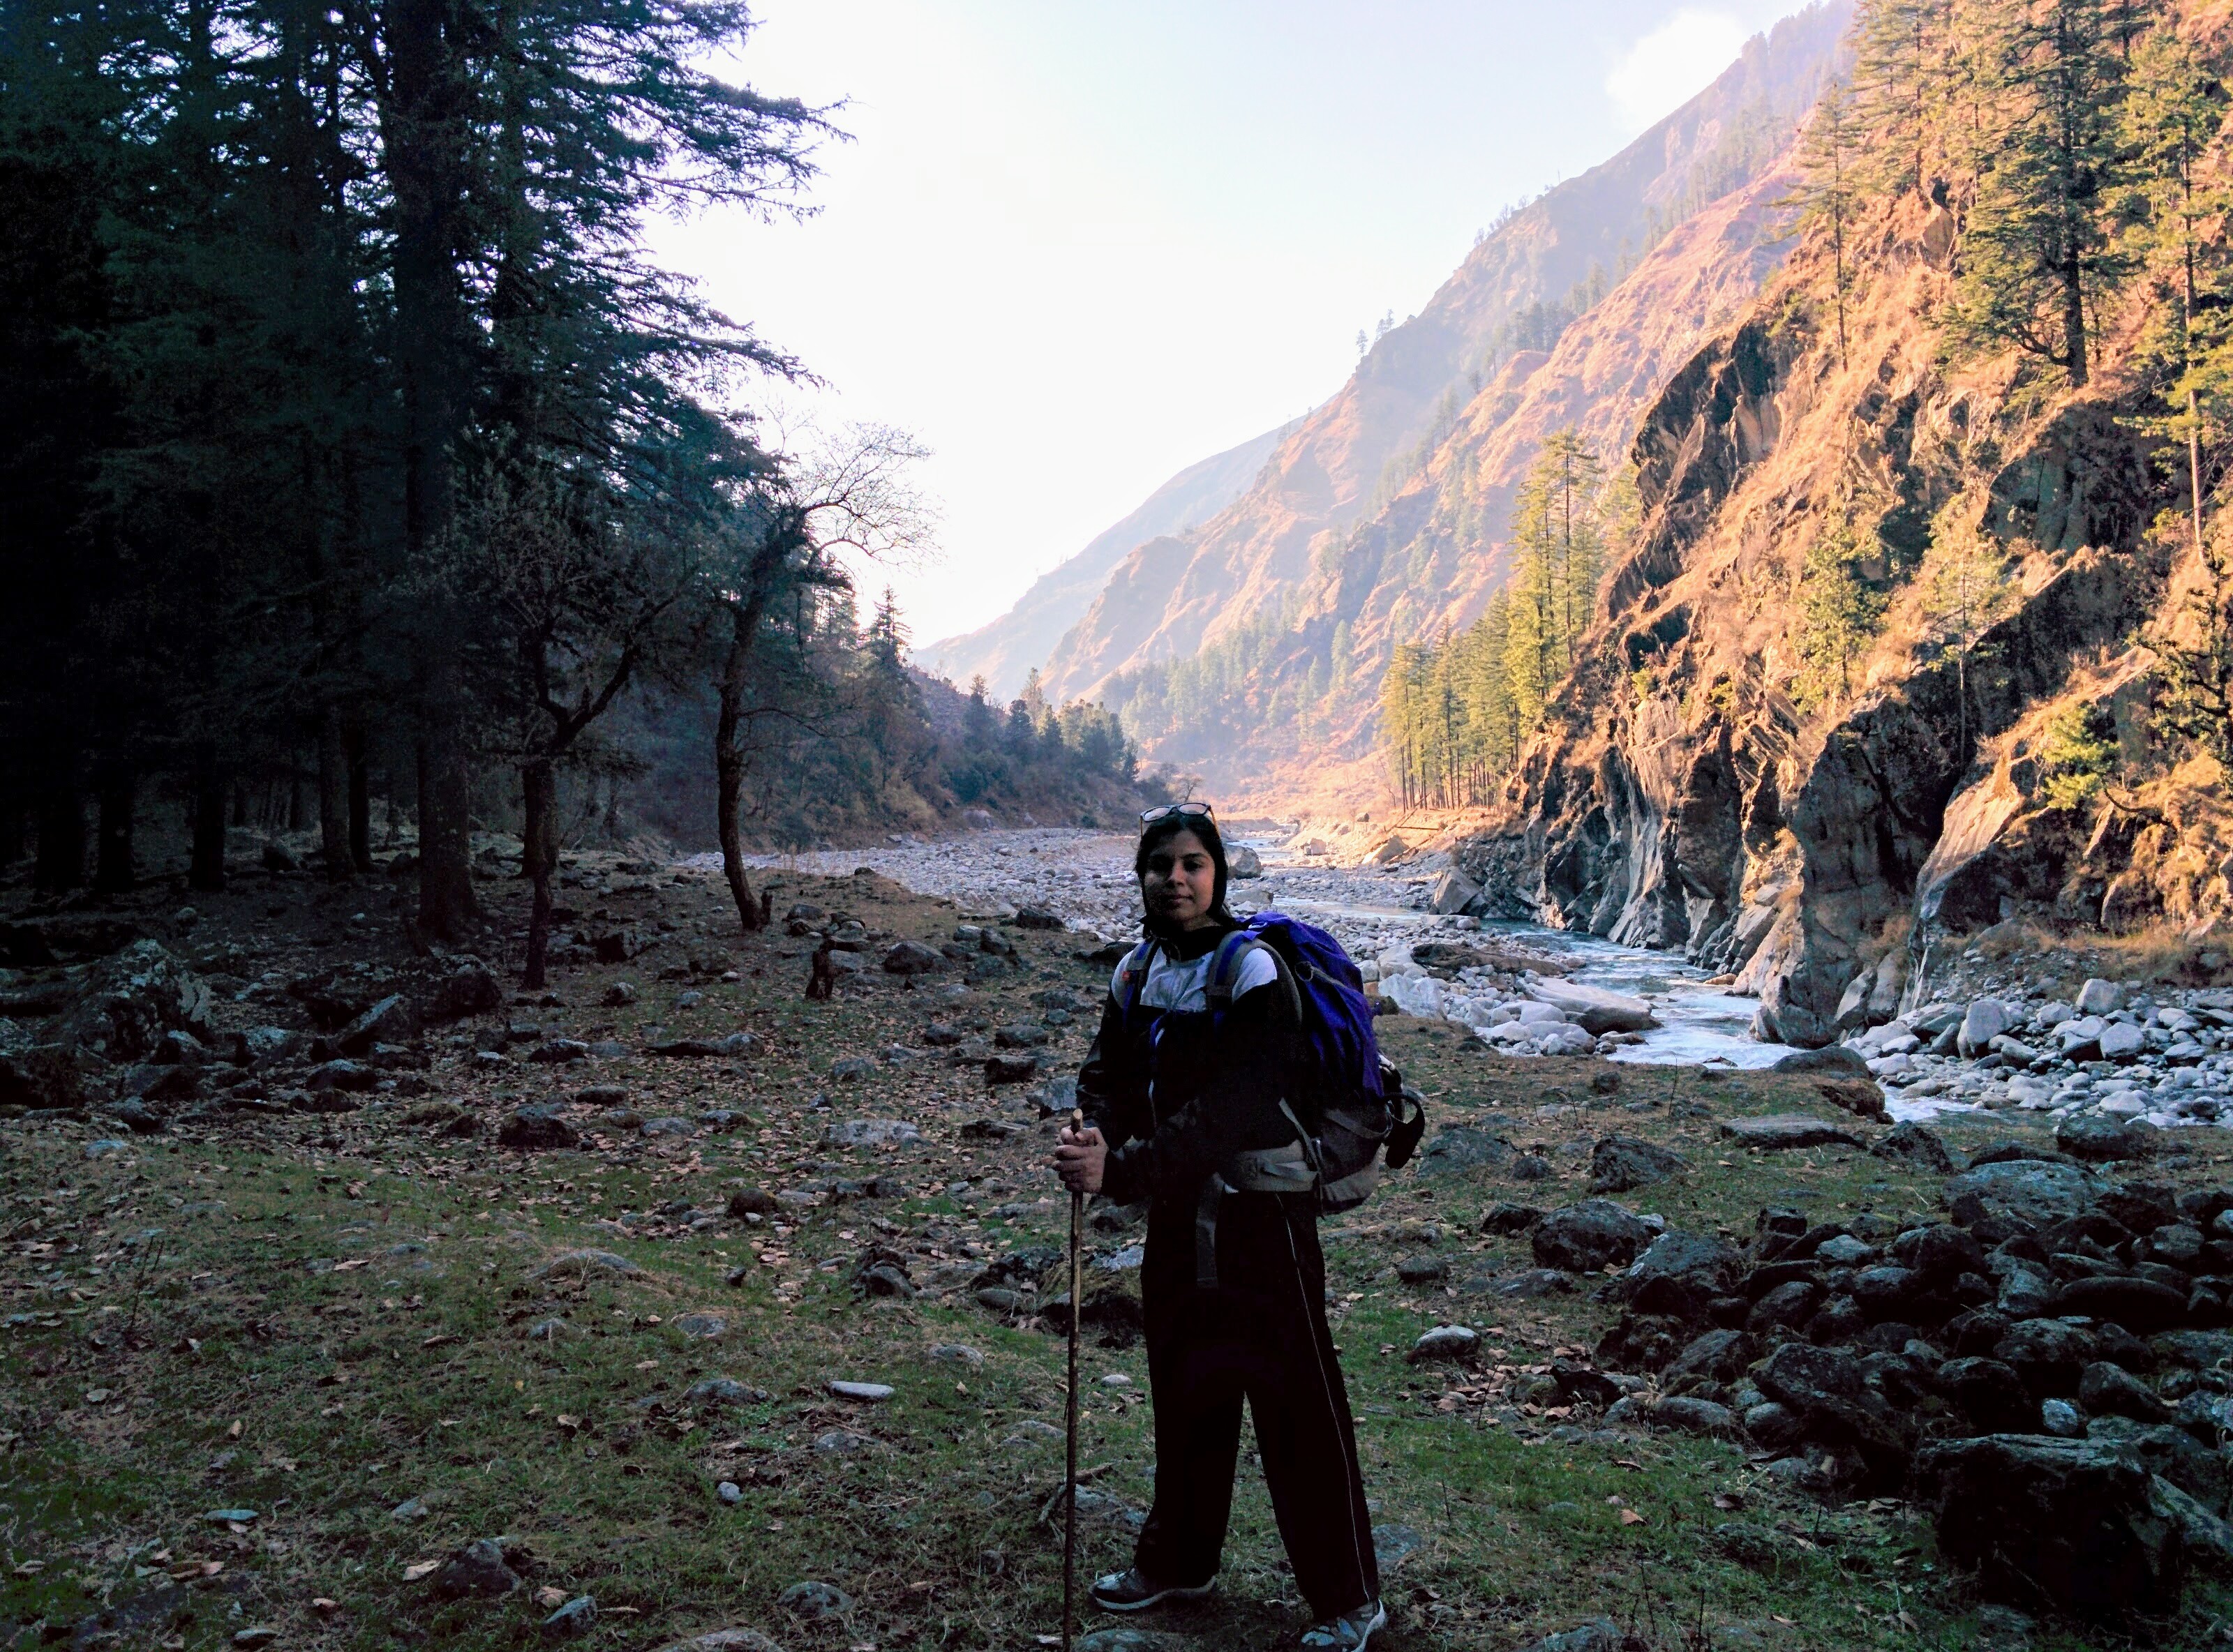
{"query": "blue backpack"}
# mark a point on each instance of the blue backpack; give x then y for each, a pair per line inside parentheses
(1353, 1104)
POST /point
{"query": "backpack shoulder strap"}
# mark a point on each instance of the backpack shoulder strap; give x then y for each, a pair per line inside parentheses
(1225, 969)
(1132, 975)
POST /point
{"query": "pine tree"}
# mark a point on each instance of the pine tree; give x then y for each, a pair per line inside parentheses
(1968, 590)
(2038, 248)
(1838, 610)
(1829, 188)
(1899, 85)
(2171, 121)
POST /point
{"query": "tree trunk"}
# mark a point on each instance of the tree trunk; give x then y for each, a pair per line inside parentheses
(333, 797)
(62, 838)
(295, 812)
(206, 871)
(360, 795)
(116, 785)
(425, 120)
(2074, 320)
(538, 837)
(729, 772)
(447, 906)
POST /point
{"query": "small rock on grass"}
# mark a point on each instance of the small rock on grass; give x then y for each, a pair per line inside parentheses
(1782, 1131)
(578, 1616)
(870, 1392)
(738, 1639)
(1393, 1544)
(813, 1600)
(1445, 1342)
(583, 1265)
(1909, 1143)
(478, 1570)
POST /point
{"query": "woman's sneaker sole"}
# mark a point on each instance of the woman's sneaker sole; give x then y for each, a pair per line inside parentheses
(1200, 1592)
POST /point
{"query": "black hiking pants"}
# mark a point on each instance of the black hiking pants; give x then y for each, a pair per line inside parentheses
(1260, 1334)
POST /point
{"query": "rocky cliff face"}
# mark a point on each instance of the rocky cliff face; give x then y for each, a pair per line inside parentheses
(1680, 798)
(1258, 555)
(1003, 652)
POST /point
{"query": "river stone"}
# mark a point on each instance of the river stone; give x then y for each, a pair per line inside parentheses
(1592, 1008)
(2066, 1518)
(2122, 1042)
(870, 1392)
(1452, 893)
(1591, 1235)
(2100, 997)
(1988, 1019)
(1778, 1131)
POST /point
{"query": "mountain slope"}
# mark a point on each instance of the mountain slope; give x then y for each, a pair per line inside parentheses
(1692, 789)
(1250, 559)
(1004, 650)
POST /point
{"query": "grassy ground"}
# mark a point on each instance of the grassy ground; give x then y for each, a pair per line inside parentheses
(327, 1321)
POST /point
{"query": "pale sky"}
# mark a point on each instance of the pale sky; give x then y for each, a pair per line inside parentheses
(1074, 247)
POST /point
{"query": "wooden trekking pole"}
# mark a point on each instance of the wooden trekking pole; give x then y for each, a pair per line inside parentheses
(1069, 1469)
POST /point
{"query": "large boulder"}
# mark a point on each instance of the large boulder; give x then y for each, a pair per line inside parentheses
(1593, 1234)
(911, 958)
(1620, 1163)
(470, 988)
(1679, 1275)
(2024, 1193)
(1242, 862)
(128, 1002)
(1837, 1060)
(1592, 1008)
(1827, 1388)
(2063, 1523)
(1778, 1131)
(1453, 892)
(1988, 1019)
(390, 1021)
(2102, 1138)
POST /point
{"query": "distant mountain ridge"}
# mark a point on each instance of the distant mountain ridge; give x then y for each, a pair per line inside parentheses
(1004, 650)
(1266, 594)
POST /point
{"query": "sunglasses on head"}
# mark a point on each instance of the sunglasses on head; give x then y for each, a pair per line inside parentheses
(1185, 811)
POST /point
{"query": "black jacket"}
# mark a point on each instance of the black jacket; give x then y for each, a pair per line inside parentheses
(1217, 1092)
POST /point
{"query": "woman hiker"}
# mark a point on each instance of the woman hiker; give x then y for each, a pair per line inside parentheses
(1233, 1284)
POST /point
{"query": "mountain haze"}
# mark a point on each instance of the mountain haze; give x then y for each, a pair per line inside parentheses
(1003, 652)
(1226, 579)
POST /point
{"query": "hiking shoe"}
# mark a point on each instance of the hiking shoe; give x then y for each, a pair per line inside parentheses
(1350, 1630)
(1132, 1591)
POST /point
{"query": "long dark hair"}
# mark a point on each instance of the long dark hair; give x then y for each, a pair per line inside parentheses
(1156, 833)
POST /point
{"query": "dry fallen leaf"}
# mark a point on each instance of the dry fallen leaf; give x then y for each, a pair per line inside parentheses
(1630, 1517)
(418, 1569)
(324, 1603)
(233, 1433)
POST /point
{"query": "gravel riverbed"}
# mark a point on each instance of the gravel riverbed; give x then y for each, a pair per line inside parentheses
(2108, 1060)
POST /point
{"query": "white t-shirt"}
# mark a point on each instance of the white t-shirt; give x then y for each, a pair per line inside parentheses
(1176, 985)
